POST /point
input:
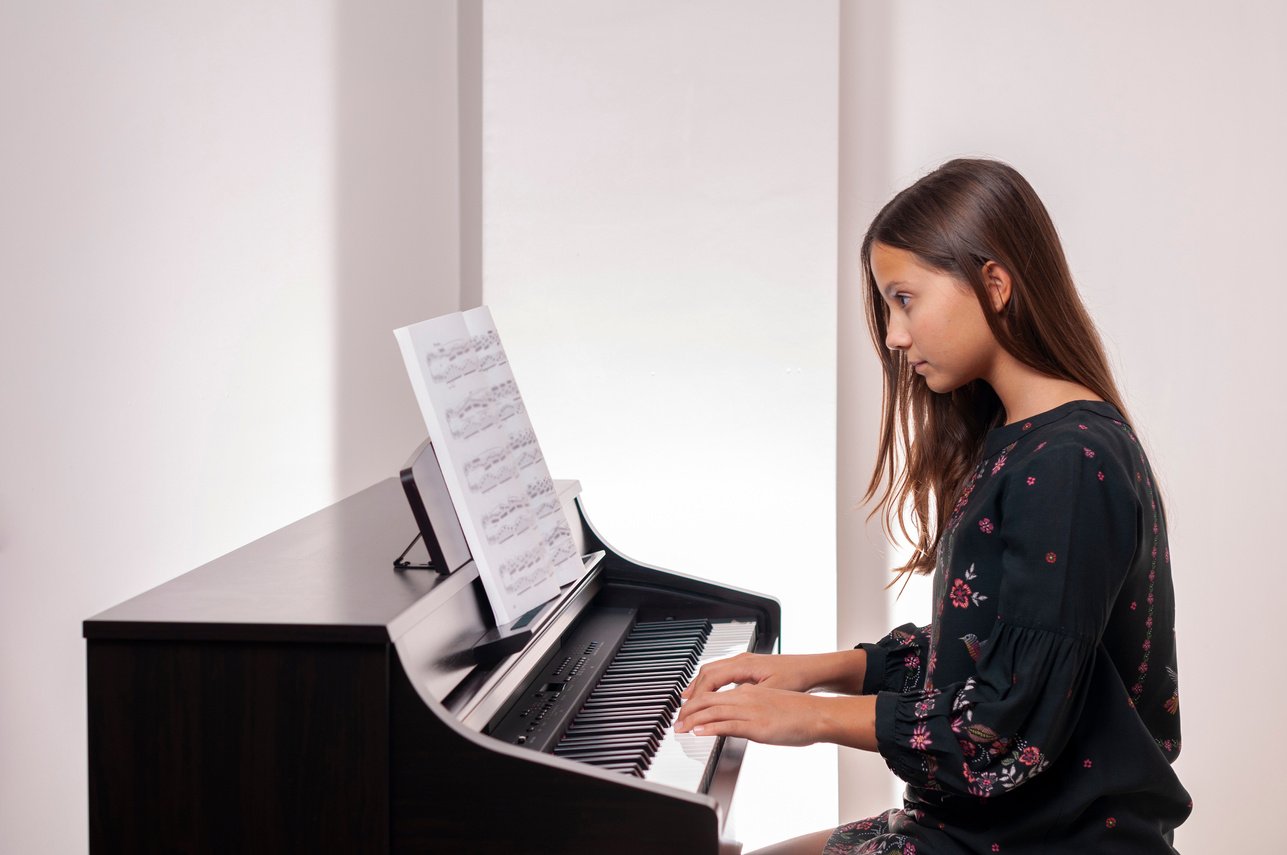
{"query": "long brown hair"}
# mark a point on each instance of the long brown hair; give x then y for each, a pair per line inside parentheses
(954, 220)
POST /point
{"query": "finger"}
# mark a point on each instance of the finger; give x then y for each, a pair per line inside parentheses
(699, 719)
(724, 728)
(706, 700)
(710, 678)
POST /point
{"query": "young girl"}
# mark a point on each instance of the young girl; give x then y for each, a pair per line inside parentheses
(1039, 711)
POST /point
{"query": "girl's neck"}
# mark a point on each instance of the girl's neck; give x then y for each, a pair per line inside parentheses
(1025, 392)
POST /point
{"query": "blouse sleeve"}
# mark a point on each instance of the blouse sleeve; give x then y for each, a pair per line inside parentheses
(1069, 527)
(894, 664)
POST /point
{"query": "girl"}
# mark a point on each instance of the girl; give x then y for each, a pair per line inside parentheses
(1039, 711)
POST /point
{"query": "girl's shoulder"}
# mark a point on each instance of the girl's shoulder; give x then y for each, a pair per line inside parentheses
(1085, 442)
(1068, 428)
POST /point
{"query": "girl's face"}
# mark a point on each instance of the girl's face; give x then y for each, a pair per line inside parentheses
(935, 320)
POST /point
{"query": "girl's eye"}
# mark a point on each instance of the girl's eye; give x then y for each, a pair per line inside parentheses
(902, 300)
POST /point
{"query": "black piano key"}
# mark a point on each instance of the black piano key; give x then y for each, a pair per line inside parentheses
(574, 741)
(589, 729)
(660, 644)
(646, 747)
(657, 675)
(639, 700)
(604, 758)
(627, 691)
(634, 710)
(622, 716)
(641, 684)
(663, 625)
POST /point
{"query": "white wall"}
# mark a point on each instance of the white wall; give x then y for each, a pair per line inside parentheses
(659, 252)
(1154, 133)
(212, 216)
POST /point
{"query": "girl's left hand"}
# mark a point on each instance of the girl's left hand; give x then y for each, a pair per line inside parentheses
(773, 716)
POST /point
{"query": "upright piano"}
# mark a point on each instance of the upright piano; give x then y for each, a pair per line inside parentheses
(301, 695)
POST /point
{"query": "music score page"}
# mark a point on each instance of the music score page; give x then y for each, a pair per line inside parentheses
(491, 460)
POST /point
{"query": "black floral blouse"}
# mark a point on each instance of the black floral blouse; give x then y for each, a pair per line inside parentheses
(1040, 711)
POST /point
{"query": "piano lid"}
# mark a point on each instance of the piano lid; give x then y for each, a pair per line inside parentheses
(327, 577)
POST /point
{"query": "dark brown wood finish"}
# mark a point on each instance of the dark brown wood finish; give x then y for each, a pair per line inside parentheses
(327, 577)
(238, 747)
(261, 703)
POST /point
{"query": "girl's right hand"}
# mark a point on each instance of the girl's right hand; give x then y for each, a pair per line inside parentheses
(841, 671)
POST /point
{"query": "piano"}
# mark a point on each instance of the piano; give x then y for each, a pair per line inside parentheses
(301, 695)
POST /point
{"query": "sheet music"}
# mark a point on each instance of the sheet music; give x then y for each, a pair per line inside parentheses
(491, 460)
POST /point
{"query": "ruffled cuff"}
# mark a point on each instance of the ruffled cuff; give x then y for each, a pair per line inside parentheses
(873, 679)
(894, 662)
(886, 735)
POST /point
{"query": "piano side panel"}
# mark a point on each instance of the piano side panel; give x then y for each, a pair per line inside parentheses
(237, 747)
(452, 794)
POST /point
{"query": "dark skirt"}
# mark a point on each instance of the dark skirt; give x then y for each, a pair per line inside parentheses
(871, 836)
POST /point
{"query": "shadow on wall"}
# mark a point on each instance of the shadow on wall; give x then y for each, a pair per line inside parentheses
(397, 218)
(863, 611)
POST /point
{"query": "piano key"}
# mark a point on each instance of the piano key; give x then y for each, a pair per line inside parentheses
(683, 759)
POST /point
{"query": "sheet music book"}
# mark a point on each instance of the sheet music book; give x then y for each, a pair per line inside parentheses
(491, 460)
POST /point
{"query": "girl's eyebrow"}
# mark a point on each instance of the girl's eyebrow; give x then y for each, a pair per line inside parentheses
(891, 286)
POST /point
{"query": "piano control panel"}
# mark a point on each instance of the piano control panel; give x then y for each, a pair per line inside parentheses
(542, 710)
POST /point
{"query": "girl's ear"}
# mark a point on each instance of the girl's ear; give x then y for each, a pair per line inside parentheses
(997, 280)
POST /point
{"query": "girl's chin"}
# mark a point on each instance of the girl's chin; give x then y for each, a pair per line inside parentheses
(942, 385)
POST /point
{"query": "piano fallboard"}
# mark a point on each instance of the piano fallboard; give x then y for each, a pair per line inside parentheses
(299, 694)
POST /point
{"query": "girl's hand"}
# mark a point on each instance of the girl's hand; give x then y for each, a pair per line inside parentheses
(841, 672)
(773, 716)
(781, 717)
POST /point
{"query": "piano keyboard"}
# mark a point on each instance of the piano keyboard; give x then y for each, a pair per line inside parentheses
(625, 722)
(684, 760)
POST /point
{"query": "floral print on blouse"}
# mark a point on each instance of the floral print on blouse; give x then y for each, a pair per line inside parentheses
(1039, 712)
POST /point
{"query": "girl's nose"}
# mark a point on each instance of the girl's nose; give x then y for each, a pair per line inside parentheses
(896, 338)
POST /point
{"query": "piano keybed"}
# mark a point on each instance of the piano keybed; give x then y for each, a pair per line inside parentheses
(612, 701)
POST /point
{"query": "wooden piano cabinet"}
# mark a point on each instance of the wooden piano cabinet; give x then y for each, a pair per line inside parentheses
(201, 747)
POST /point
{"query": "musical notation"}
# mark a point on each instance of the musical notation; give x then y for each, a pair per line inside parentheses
(524, 571)
(489, 470)
(511, 517)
